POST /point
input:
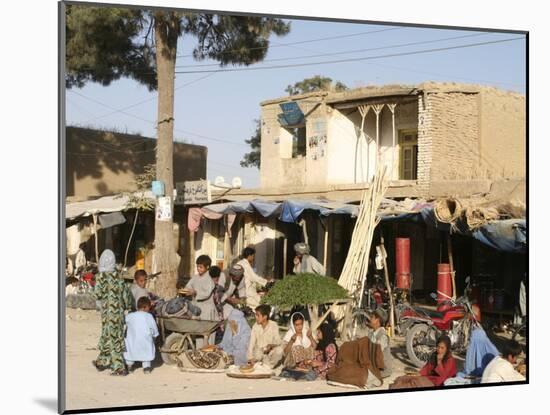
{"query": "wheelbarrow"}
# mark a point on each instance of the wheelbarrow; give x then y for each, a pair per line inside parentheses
(183, 332)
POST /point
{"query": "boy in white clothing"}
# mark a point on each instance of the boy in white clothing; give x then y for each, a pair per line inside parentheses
(141, 330)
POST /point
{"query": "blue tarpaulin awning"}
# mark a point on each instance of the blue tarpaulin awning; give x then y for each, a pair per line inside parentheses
(292, 209)
(264, 208)
(503, 235)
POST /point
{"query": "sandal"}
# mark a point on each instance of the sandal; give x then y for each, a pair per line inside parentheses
(99, 368)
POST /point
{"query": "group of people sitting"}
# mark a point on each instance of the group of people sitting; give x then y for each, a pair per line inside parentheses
(484, 364)
(301, 354)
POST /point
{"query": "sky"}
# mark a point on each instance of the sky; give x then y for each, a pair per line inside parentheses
(218, 109)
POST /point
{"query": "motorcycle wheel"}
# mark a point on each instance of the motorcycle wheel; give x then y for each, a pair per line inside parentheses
(420, 344)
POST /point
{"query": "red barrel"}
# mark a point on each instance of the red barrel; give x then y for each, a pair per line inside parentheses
(444, 283)
(402, 263)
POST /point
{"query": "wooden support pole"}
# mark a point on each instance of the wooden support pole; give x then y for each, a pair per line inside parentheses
(392, 109)
(285, 246)
(94, 217)
(325, 251)
(451, 264)
(363, 110)
(388, 287)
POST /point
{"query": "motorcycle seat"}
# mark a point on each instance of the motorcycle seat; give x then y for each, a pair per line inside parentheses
(430, 313)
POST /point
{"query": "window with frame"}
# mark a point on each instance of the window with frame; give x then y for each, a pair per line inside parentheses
(408, 154)
(298, 141)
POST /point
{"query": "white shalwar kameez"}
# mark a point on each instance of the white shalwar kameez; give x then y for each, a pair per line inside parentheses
(251, 279)
(140, 333)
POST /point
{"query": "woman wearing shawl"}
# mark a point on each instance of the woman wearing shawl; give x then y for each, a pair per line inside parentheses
(479, 354)
(236, 337)
(115, 297)
(299, 349)
(440, 367)
(326, 351)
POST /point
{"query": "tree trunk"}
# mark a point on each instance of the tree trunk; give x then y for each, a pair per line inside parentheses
(166, 37)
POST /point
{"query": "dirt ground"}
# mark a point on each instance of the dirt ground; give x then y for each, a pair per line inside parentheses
(87, 388)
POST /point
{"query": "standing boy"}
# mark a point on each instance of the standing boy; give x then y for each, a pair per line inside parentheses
(251, 279)
(140, 334)
(201, 287)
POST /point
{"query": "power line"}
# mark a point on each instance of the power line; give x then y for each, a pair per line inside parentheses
(148, 99)
(350, 51)
(276, 45)
(154, 123)
(424, 72)
(417, 52)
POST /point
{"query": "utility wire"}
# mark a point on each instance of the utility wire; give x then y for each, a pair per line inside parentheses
(423, 72)
(147, 100)
(276, 45)
(154, 123)
(364, 58)
(349, 51)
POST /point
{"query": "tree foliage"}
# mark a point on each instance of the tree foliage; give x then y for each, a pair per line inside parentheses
(315, 83)
(105, 44)
(253, 159)
(304, 289)
(138, 199)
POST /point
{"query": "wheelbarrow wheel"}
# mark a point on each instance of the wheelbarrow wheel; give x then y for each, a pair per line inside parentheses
(175, 344)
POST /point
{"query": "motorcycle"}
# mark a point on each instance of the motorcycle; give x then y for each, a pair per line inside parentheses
(376, 295)
(455, 318)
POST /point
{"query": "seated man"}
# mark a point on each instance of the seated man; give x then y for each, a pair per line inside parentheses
(378, 335)
(265, 341)
(501, 368)
(304, 262)
(235, 292)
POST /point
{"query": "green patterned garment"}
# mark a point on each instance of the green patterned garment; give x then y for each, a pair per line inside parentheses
(116, 297)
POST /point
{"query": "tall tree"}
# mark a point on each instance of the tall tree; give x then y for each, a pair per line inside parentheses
(316, 83)
(253, 159)
(105, 44)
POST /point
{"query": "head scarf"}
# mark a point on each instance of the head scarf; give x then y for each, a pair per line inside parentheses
(301, 248)
(107, 261)
(236, 271)
(236, 344)
(304, 340)
(329, 337)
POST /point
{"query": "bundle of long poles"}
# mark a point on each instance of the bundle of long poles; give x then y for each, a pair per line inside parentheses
(354, 273)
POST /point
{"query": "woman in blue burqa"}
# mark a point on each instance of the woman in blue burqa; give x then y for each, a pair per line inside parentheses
(480, 352)
(236, 337)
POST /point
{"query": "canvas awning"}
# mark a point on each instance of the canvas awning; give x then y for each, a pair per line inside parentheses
(292, 209)
(264, 208)
(104, 204)
(508, 235)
